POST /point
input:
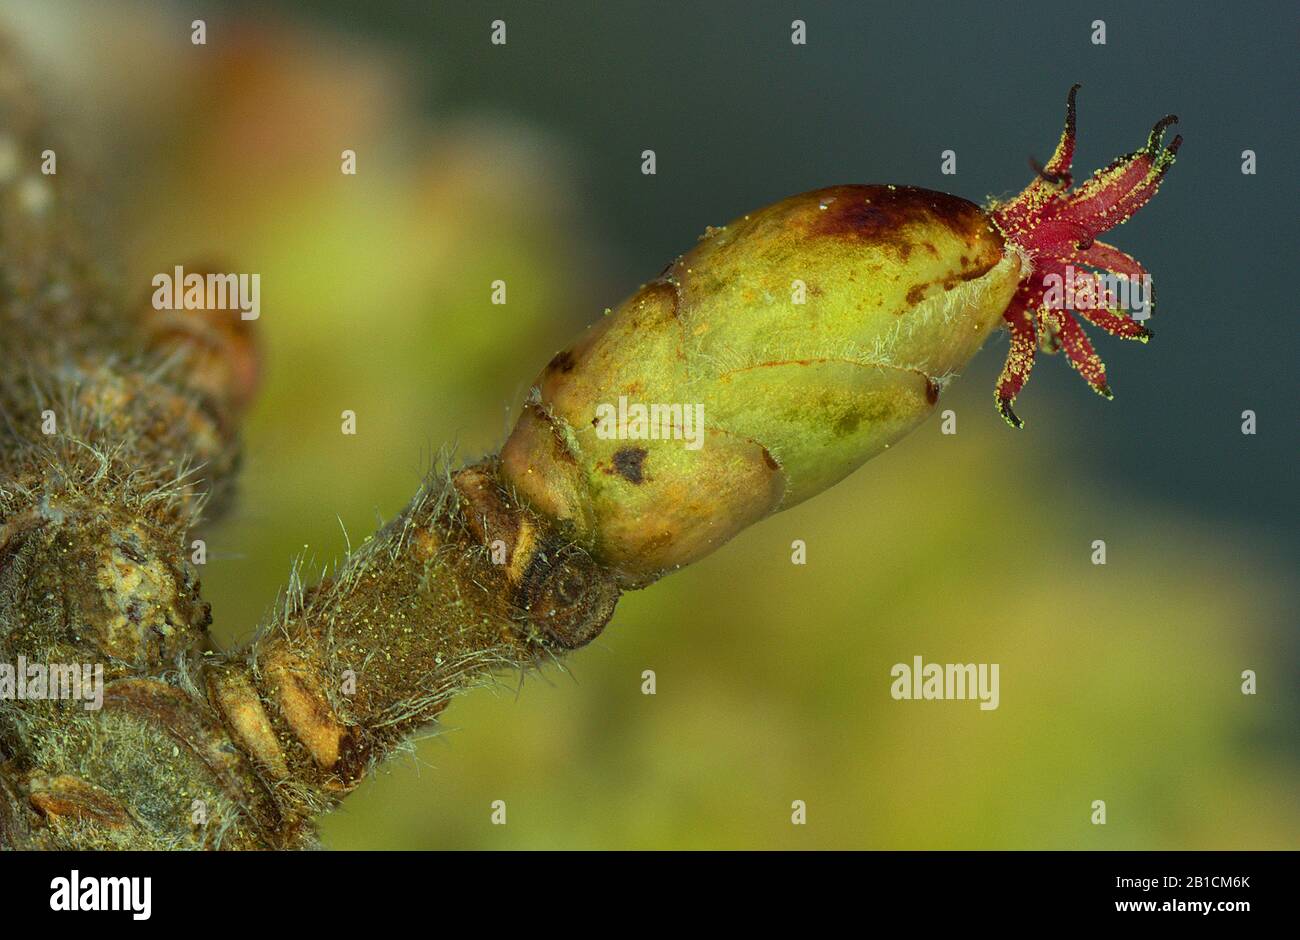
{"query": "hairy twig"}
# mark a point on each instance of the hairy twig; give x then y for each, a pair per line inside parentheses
(118, 435)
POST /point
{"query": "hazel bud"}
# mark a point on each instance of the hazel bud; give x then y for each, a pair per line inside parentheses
(760, 368)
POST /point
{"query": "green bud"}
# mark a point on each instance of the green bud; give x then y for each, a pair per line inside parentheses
(809, 336)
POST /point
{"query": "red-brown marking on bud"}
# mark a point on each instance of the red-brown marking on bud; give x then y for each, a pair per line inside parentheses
(880, 213)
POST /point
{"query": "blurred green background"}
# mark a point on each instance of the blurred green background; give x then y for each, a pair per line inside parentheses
(522, 162)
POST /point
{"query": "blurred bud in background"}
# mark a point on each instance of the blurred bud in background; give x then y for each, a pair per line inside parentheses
(377, 284)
